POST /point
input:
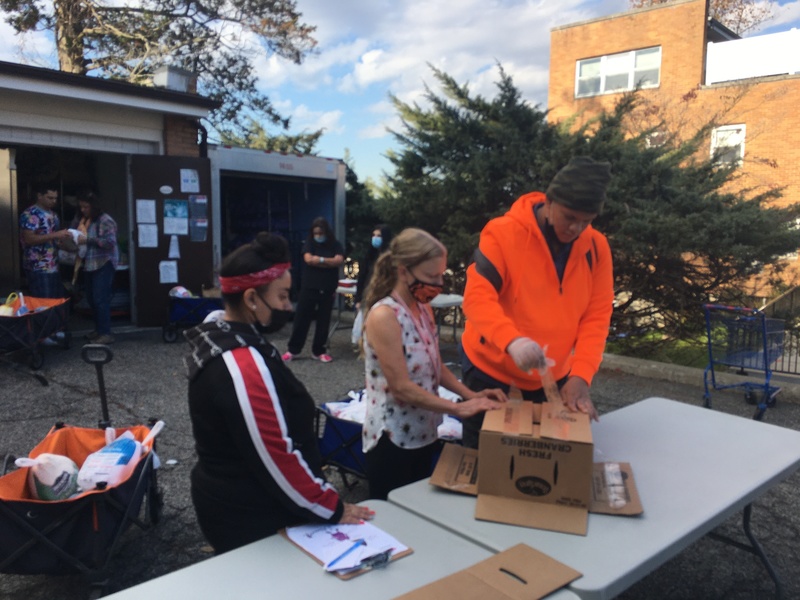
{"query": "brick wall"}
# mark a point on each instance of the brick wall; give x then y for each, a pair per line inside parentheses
(767, 106)
(180, 136)
(679, 28)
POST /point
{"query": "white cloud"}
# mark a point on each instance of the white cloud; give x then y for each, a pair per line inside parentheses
(465, 39)
(307, 119)
(35, 48)
(368, 50)
(784, 16)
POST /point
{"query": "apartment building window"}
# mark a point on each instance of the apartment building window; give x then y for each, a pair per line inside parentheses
(618, 72)
(727, 144)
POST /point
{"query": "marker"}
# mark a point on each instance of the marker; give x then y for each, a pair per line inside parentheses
(355, 545)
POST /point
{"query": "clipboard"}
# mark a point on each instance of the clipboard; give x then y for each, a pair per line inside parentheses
(405, 551)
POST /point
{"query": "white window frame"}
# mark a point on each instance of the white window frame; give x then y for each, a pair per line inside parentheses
(729, 136)
(605, 65)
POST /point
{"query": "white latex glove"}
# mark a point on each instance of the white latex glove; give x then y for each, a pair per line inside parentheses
(527, 354)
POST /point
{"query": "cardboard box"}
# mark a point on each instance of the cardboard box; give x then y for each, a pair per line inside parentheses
(533, 480)
(457, 471)
(519, 573)
(535, 475)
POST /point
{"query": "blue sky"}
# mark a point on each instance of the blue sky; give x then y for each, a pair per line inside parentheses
(369, 49)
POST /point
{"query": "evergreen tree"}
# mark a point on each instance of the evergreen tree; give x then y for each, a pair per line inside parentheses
(680, 233)
(256, 136)
(361, 213)
(464, 160)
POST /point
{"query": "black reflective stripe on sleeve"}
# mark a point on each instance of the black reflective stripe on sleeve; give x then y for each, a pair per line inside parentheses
(486, 269)
(590, 254)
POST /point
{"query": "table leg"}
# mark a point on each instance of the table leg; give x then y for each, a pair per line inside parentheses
(753, 548)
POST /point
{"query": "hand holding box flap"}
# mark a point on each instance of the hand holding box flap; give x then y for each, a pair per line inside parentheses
(519, 573)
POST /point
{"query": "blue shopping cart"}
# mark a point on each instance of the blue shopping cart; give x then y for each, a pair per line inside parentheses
(746, 340)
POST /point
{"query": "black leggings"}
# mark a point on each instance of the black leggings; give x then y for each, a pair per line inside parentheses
(389, 466)
(312, 304)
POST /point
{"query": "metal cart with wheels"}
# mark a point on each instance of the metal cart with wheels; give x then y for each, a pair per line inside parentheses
(46, 318)
(78, 535)
(746, 341)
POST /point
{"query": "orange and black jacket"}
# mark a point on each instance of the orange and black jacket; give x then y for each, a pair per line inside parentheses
(513, 290)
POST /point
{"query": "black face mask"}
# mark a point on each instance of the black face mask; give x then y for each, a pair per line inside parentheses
(279, 318)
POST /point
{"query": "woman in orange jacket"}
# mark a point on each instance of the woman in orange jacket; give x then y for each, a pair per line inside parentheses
(541, 282)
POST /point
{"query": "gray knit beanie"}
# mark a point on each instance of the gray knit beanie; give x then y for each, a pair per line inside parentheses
(581, 185)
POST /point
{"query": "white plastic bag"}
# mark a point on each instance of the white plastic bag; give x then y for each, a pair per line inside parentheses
(112, 464)
(51, 476)
(115, 461)
(358, 325)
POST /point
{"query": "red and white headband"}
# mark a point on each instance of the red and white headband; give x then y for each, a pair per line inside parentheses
(239, 283)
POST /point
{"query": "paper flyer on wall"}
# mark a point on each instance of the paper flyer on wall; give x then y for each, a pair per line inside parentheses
(190, 181)
(148, 235)
(168, 271)
(145, 211)
(176, 217)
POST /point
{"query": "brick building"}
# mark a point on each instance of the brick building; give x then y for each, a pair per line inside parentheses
(690, 68)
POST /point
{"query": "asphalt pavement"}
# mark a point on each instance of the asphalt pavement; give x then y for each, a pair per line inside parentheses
(146, 380)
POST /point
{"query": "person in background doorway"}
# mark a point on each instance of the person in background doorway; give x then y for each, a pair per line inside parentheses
(99, 235)
(404, 367)
(258, 467)
(323, 256)
(541, 280)
(39, 236)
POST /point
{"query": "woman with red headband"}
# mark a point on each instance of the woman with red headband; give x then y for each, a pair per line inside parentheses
(259, 467)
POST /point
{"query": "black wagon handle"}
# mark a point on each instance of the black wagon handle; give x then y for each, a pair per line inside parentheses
(99, 355)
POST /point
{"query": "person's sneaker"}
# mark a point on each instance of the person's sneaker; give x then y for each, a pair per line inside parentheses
(103, 339)
(287, 356)
(326, 358)
(49, 342)
(91, 336)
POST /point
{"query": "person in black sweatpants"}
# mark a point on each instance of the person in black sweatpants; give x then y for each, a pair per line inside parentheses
(323, 256)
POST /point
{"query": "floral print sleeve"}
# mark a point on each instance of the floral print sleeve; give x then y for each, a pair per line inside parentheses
(407, 426)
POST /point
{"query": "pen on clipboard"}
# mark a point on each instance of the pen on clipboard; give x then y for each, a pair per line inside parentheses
(355, 545)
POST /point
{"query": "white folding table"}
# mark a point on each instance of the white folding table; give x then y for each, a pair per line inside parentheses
(274, 568)
(693, 467)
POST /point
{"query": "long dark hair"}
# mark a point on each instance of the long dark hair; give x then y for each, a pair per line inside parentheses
(386, 237)
(327, 230)
(94, 202)
(266, 250)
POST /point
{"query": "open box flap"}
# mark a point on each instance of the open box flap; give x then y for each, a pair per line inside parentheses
(538, 515)
(519, 573)
(559, 423)
(515, 418)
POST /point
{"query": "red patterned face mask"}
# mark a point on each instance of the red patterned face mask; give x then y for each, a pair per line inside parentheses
(424, 292)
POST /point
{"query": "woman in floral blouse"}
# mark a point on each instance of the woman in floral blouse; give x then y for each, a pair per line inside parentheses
(404, 368)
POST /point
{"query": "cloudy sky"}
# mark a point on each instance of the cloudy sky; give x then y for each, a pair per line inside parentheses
(371, 48)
